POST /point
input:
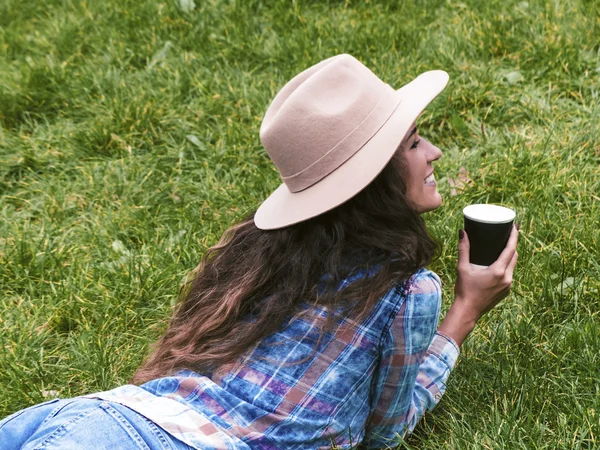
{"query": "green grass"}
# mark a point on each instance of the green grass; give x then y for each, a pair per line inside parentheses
(129, 142)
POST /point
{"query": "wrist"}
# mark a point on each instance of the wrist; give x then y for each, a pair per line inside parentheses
(458, 323)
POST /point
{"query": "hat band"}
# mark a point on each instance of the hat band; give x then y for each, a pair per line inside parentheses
(348, 146)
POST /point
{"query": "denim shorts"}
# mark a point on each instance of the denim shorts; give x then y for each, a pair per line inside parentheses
(83, 423)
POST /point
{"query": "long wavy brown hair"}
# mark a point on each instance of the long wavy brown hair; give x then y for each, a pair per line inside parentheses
(248, 284)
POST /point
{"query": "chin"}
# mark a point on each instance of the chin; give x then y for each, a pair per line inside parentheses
(430, 205)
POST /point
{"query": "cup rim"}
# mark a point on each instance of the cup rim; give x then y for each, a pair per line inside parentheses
(504, 214)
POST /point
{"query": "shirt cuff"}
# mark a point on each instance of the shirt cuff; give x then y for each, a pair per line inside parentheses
(445, 349)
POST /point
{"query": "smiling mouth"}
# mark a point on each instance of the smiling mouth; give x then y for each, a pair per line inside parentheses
(430, 179)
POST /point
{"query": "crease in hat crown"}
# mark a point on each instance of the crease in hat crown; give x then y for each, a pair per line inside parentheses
(322, 117)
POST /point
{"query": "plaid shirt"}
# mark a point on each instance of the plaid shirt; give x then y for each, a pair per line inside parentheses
(364, 382)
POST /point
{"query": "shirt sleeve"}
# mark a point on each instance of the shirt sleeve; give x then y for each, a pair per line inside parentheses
(415, 364)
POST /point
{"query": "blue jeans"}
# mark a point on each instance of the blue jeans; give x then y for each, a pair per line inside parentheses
(82, 423)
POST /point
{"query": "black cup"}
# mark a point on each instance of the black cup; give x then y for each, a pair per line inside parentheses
(488, 228)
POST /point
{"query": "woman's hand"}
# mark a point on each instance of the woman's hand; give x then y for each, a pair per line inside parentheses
(478, 289)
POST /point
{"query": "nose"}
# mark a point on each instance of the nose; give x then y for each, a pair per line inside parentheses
(433, 153)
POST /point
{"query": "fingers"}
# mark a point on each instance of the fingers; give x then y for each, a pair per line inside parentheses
(511, 266)
(463, 249)
(507, 254)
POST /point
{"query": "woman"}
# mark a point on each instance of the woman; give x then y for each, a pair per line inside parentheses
(313, 322)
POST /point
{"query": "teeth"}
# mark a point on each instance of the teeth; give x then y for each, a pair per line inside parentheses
(430, 179)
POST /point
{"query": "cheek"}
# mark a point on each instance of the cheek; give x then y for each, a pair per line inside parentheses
(414, 192)
(410, 169)
(413, 177)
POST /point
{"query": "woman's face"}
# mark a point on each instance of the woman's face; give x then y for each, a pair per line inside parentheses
(418, 155)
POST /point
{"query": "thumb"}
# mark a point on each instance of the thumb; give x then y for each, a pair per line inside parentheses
(463, 249)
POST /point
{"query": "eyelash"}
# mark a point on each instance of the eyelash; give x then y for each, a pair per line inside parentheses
(415, 144)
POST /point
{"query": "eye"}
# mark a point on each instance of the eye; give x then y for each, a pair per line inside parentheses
(415, 144)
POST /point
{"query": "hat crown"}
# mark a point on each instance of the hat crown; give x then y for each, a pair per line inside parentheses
(322, 117)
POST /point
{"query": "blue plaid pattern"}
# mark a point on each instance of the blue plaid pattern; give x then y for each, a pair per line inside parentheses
(364, 382)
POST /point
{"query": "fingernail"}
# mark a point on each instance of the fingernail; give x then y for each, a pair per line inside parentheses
(461, 235)
(517, 225)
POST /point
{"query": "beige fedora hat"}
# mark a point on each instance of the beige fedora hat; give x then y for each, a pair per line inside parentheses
(331, 130)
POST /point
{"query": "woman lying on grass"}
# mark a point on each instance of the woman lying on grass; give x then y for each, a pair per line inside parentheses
(313, 322)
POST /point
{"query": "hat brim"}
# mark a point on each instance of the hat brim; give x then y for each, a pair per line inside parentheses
(283, 208)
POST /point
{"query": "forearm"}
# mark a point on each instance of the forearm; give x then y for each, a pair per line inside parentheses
(428, 379)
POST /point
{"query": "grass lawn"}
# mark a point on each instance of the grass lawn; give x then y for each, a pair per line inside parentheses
(129, 143)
